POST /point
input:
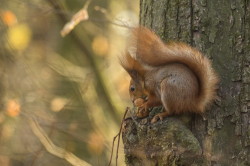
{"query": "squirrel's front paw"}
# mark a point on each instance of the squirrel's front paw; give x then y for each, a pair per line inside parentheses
(142, 108)
(142, 112)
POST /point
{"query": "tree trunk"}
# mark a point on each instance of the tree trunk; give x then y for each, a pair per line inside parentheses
(221, 137)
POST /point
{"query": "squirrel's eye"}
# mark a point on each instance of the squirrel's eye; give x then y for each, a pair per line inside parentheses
(132, 88)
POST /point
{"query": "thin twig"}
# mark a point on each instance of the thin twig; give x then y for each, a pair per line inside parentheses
(111, 156)
(118, 135)
(110, 18)
(118, 144)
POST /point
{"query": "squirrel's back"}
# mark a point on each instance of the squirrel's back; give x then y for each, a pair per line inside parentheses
(150, 50)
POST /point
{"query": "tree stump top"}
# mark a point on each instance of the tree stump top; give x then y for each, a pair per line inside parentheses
(165, 142)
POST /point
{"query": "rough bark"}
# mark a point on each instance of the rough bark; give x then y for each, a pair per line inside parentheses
(163, 143)
(221, 30)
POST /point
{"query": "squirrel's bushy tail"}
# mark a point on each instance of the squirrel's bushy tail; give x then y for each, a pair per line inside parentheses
(152, 51)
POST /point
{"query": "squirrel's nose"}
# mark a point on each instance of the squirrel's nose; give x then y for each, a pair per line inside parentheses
(133, 100)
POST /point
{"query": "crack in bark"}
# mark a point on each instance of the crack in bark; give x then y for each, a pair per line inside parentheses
(165, 18)
(177, 21)
(191, 23)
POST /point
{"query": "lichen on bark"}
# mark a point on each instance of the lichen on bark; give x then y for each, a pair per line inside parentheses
(167, 142)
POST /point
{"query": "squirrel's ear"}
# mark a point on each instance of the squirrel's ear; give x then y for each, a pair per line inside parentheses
(131, 65)
(126, 61)
(133, 74)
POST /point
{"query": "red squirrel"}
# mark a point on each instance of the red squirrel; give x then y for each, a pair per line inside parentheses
(174, 75)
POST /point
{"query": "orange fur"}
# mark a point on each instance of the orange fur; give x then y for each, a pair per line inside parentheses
(151, 51)
(131, 65)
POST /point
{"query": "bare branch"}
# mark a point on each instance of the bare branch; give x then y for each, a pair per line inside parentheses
(81, 15)
(52, 148)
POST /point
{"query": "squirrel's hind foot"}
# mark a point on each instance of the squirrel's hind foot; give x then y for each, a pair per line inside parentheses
(159, 116)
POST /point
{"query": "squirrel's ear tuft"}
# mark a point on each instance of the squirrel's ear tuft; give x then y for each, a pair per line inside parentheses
(131, 65)
(134, 75)
(126, 61)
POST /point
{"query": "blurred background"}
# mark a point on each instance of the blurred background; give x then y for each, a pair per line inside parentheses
(60, 76)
